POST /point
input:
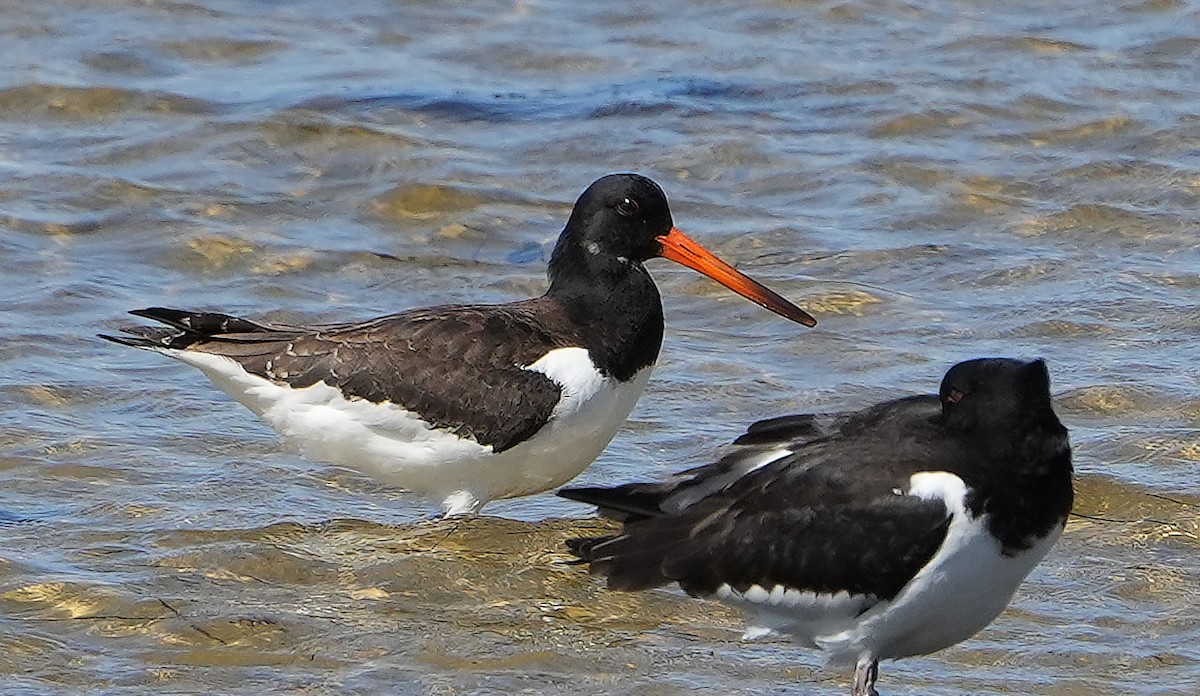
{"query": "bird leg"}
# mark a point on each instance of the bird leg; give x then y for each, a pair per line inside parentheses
(865, 674)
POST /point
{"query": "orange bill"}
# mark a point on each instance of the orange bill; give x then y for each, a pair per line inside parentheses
(679, 248)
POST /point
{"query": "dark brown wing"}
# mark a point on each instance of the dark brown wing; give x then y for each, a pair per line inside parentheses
(458, 367)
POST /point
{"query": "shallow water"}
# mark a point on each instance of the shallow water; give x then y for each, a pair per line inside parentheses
(935, 181)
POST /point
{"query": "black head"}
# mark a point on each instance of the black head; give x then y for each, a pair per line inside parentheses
(1016, 456)
(622, 220)
(618, 218)
(987, 392)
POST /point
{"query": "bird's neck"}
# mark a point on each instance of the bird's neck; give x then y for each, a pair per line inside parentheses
(615, 308)
(1032, 494)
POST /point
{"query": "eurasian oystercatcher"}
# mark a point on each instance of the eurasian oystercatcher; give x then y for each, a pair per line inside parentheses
(893, 531)
(469, 403)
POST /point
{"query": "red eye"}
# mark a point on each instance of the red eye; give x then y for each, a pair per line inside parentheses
(627, 207)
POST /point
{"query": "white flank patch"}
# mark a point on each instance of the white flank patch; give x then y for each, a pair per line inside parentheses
(571, 369)
(966, 585)
(940, 485)
(592, 408)
(397, 446)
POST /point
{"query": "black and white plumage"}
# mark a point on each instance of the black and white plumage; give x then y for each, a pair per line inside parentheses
(893, 531)
(470, 403)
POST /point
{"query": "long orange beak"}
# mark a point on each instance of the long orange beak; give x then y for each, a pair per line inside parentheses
(678, 247)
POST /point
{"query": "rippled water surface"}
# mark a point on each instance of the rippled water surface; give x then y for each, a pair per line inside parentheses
(934, 180)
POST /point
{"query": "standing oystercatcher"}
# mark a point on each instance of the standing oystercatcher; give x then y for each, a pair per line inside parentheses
(893, 531)
(469, 403)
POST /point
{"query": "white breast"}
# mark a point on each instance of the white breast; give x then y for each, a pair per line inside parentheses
(590, 411)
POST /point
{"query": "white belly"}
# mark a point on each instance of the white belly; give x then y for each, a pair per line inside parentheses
(395, 445)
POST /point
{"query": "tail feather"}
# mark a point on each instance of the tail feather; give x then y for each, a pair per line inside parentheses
(640, 559)
(143, 337)
(583, 547)
(627, 503)
(183, 328)
(204, 324)
(628, 566)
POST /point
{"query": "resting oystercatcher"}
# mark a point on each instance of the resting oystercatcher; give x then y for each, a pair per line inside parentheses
(878, 534)
(470, 403)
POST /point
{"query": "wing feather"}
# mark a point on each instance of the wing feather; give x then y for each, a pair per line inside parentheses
(812, 503)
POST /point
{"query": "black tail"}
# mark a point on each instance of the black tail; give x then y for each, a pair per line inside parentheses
(582, 547)
(185, 328)
(627, 503)
(637, 559)
(203, 324)
(628, 564)
(143, 337)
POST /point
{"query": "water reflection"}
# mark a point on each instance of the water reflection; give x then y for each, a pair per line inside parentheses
(938, 181)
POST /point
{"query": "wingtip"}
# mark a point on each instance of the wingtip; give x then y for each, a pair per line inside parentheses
(160, 314)
(583, 548)
(579, 494)
(123, 340)
(578, 547)
(132, 341)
